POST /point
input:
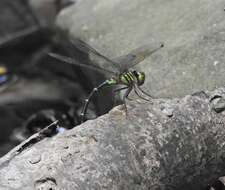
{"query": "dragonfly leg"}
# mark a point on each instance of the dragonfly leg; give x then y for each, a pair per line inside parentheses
(129, 98)
(150, 96)
(88, 99)
(125, 97)
(117, 90)
(123, 88)
(139, 95)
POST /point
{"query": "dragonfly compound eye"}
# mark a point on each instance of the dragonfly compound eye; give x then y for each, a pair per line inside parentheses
(141, 78)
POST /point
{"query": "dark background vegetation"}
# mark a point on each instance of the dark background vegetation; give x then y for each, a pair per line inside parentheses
(38, 89)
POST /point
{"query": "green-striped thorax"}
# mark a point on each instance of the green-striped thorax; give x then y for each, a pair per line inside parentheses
(130, 77)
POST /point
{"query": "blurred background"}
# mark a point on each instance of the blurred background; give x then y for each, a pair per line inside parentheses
(35, 89)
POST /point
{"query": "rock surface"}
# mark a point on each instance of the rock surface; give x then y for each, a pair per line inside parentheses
(193, 33)
(169, 144)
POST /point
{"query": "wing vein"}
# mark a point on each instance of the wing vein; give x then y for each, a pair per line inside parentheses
(71, 61)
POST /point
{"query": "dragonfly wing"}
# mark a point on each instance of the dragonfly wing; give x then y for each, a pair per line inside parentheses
(136, 56)
(72, 61)
(95, 57)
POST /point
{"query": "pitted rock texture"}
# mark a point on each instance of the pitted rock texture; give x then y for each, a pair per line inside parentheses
(147, 149)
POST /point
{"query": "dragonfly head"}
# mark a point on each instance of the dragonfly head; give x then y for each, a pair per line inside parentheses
(140, 77)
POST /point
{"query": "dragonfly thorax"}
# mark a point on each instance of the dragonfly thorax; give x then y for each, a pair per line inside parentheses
(132, 77)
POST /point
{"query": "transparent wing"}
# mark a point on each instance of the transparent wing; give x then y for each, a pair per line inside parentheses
(11, 38)
(136, 56)
(95, 57)
(71, 61)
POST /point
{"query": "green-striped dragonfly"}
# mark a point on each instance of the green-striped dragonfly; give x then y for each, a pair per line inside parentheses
(120, 70)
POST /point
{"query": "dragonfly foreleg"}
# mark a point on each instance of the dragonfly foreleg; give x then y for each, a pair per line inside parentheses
(120, 89)
(150, 96)
(88, 99)
(126, 94)
(139, 95)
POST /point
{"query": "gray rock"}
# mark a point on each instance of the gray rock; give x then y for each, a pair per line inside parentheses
(46, 10)
(193, 33)
(147, 149)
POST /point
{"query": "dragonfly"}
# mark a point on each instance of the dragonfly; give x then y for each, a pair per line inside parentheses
(120, 70)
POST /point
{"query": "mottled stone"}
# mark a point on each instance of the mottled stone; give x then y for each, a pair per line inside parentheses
(144, 150)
